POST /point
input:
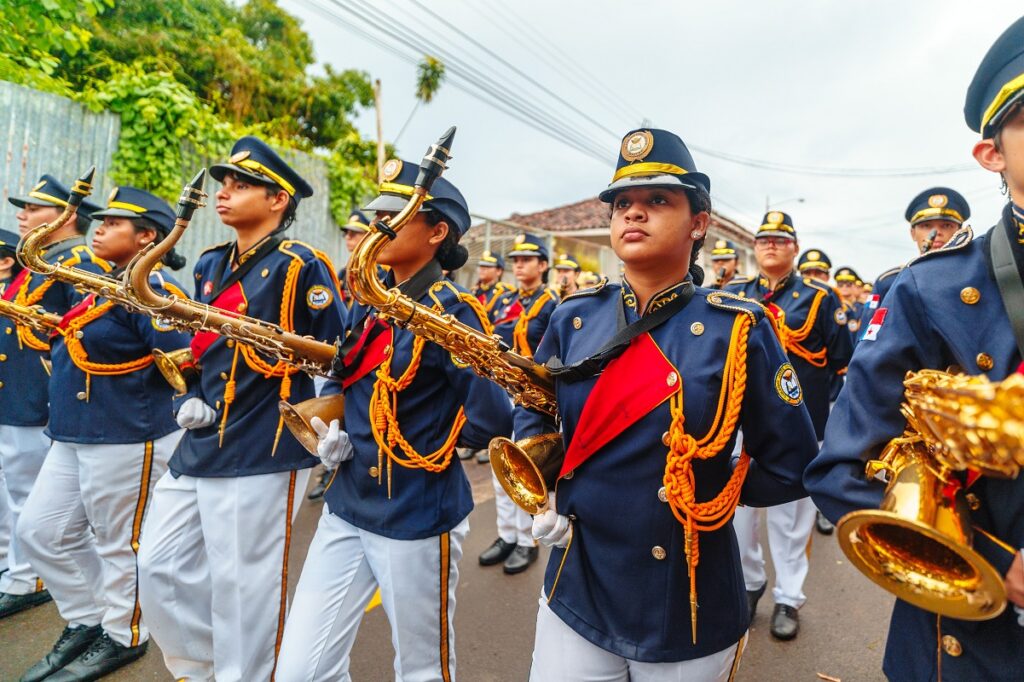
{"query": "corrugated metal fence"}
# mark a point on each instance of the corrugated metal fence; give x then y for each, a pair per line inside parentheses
(44, 133)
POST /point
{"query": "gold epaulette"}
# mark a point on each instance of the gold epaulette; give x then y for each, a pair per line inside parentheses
(724, 300)
(589, 291)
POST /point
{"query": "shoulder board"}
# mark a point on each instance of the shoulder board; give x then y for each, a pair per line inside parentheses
(216, 247)
(891, 272)
(959, 240)
(446, 294)
(723, 300)
(83, 254)
(746, 279)
(820, 286)
(589, 291)
(552, 293)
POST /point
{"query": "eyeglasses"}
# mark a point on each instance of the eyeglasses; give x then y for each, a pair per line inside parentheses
(764, 242)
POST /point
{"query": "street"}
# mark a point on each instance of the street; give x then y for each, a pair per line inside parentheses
(843, 624)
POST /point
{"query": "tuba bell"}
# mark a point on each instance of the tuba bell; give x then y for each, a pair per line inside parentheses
(918, 545)
(527, 469)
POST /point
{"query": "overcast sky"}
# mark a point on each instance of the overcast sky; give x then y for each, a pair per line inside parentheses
(870, 85)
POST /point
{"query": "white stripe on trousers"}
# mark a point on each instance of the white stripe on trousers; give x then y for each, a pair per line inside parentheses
(343, 568)
(79, 525)
(210, 572)
(22, 452)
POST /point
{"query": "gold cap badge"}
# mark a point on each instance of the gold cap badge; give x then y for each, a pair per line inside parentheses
(240, 156)
(775, 218)
(938, 200)
(391, 170)
(520, 238)
(113, 195)
(813, 255)
(637, 146)
(721, 244)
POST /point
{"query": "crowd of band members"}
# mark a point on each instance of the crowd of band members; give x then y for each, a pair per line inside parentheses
(144, 513)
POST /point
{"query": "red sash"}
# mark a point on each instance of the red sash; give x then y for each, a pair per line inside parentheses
(229, 301)
(630, 387)
(75, 312)
(12, 289)
(365, 358)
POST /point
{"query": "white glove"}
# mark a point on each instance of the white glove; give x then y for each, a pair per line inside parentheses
(1020, 615)
(195, 414)
(334, 446)
(551, 528)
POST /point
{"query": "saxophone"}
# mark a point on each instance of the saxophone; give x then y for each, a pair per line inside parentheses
(526, 470)
(33, 317)
(173, 365)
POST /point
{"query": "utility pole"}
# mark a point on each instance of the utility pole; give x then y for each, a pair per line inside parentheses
(380, 130)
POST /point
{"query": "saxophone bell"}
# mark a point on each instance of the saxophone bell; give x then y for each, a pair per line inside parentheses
(298, 417)
(176, 366)
(527, 469)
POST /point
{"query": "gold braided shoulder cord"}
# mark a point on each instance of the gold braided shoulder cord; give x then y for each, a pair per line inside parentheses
(680, 485)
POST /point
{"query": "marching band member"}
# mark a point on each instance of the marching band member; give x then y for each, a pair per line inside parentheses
(645, 582)
(521, 323)
(489, 288)
(23, 381)
(567, 269)
(725, 260)
(934, 216)
(397, 509)
(355, 229)
(213, 564)
(815, 264)
(812, 323)
(9, 265)
(82, 523)
(947, 308)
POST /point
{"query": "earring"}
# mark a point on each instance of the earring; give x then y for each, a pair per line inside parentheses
(695, 235)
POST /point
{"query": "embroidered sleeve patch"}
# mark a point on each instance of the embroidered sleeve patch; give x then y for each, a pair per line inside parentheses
(787, 385)
(162, 324)
(875, 326)
(874, 301)
(840, 316)
(319, 297)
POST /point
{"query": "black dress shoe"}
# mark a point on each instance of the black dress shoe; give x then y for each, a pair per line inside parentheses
(103, 657)
(318, 490)
(11, 604)
(72, 642)
(785, 622)
(497, 552)
(823, 525)
(754, 596)
(520, 559)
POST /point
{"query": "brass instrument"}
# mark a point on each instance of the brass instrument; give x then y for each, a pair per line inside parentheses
(918, 544)
(30, 250)
(930, 241)
(33, 317)
(524, 473)
(563, 287)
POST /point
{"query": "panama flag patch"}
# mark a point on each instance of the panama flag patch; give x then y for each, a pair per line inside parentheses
(876, 324)
(874, 301)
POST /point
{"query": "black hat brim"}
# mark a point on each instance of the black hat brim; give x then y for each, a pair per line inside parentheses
(688, 181)
(391, 202)
(85, 208)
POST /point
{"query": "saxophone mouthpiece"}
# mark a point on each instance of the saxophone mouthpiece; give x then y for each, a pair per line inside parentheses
(192, 196)
(435, 160)
(82, 188)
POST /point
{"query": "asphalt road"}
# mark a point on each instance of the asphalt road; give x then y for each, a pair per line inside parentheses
(843, 624)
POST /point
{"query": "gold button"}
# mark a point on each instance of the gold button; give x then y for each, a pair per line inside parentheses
(577, 323)
(79, 334)
(216, 405)
(665, 438)
(224, 376)
(951, 645)
(3, 357)
(742, 294)
(266, 271)
(972, 501)
(970, 295)
(984, 361)
(662, 494)
(569, 475)
(81, 395)
(387, 349)
(241, 307)
(696, 328)
(796, 294)
(1, 384)
(230, 343)
(658, 552)
(374, 472)
(7, 331)
(672, 379)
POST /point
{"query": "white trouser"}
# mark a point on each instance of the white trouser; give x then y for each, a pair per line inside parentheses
(22, 452)
(560, 654)
(81, 528)
(417, 580)
(212, 572)
(515, 525)
(5, 523)
(789, 532)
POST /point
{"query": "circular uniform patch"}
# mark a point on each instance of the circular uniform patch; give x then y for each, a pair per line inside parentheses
(391, 170)
(162, 324)
(319, 297)
(787, 385)
(938, 200)
(853, 325)
(840, 316)
(637, 146)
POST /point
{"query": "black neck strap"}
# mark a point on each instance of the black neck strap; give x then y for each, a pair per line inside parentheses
(615, 346)
(1007, 274)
